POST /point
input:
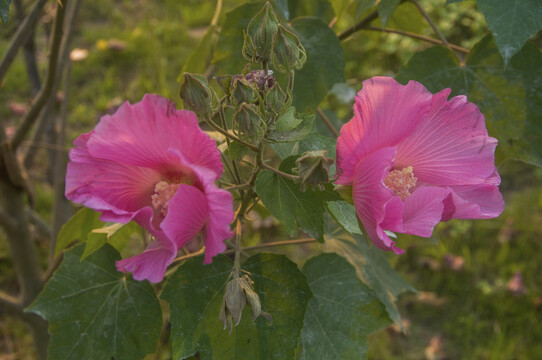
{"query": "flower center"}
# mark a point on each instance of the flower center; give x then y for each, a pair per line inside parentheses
(163, 192)
(400, 182)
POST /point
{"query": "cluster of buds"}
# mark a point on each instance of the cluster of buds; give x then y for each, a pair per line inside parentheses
(267, 40)
(239, 291)
(313, 169)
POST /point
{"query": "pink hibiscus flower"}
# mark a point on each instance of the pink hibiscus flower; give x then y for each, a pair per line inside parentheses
(153, 164)
(414, 159)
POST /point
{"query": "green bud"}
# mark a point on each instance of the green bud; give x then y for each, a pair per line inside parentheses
(238, 292)
(276, 99)
(313, 169)
(259, 35)
(197, 95)
(288, 53)
(243, 92)
(250, 121)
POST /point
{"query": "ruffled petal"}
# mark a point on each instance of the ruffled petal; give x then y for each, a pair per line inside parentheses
(187, 214)
(423, 210)
(141, 134)
(152, 263)
(450, 146)
(385, 113)
(482, 201)
(371, 196)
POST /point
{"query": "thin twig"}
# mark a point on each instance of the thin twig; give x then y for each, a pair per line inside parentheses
(431, 23)
(46, 90)
(20, 37)
(278, 172)
(10, 302)
(255, 247)
(239, 187)
(327, 122)
(231, 136)
(360, 25)
(419, 37)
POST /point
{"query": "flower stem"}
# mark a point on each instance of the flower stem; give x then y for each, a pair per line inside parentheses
(263, 165)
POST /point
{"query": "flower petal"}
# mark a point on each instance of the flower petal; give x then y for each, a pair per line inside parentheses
(423, 209)
(482, 201)
(385, 113)
(220, 217)
(140, 134)
(450, 146)
(107, 186)
(152, 263)
(188, 212)
(371, 196)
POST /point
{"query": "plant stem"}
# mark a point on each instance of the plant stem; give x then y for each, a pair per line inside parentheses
(360, 25)
(278, 172)
(231, 136)
(11, 303)
(255, 247)
(419, 37)
(46, 90)
(327, 122)
(20, 37)
(431, 23)
(237, 258)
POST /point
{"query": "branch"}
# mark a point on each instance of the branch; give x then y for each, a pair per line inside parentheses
(6, 221)
(20, 37)
(360, 25)
(248, 248)
(419, 37)
(327, 122)
(431, 23)
(46, 90)
(10, 302)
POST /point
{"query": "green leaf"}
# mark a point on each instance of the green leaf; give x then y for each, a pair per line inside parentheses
(510, 98)
(4, 10)
(287, 121)
(339, 6)
(511, 22)
(299, 133)
(324, 66)
(321, 9)
(200, 57)
(294, 208)
(371, 264)
(345, 215)
(195, 293)
(96, 312)
(236, 150)
(342, 312)
(386, 9)
(227, 55)
(117, 235)
(77, 228)
(362, 6)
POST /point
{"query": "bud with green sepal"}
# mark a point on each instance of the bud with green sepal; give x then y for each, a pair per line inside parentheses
(238, 293)
(249, 122)
(276, 99)
(243, 92)
(288, 54)
(197, 95)
(313, 169)
(259, 35)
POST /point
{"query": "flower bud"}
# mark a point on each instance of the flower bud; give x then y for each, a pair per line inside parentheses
(288, 53)
(276, 99)
(238, 292)
(242, 92)
(313, 169)
(250, 121)
(261, 80)
(259, 35)
(197, 96)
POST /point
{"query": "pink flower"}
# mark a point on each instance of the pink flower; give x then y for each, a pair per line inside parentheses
(414, 159)
(153, 164)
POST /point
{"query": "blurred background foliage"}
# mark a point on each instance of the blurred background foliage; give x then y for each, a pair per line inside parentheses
(480, 293)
